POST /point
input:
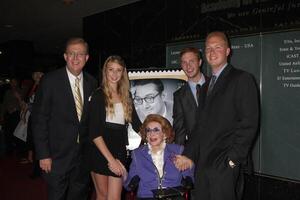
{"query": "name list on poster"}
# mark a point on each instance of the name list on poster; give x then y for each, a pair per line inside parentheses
(289, 63)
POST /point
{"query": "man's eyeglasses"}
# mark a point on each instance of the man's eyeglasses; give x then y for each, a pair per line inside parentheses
(155, 130)
(147, 99)
(75, 54)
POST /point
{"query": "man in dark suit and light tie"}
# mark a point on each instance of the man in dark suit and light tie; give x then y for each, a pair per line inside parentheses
(226, 127)
(59, 130)
(190, 97)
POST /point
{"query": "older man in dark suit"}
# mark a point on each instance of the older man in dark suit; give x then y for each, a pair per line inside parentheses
(59, 131)
(189, 99)
(226, 128)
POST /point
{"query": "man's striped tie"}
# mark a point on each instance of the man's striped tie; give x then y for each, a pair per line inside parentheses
(78, 101)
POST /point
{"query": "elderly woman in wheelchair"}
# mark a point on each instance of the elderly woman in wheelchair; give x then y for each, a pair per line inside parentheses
(152, 167)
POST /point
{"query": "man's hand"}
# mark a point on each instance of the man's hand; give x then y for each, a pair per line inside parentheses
(231, 164)
(46, 164)
(183, 163)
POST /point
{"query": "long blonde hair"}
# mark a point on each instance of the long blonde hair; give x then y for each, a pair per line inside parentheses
(122, 88)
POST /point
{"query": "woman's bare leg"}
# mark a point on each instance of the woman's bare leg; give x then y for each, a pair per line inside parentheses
(101, 185)
(114, 188)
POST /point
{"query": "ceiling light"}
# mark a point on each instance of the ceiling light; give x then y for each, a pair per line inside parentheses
(8, 26)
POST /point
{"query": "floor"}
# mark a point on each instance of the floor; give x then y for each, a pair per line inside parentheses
(15, 184)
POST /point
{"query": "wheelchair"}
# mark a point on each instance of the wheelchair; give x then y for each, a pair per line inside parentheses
(173, 193)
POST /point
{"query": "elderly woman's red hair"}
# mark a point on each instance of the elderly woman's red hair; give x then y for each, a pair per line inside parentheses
(165, 126)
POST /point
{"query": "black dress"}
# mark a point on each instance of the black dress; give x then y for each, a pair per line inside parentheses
(114, 135)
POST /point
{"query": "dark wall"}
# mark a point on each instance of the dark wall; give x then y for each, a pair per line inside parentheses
(139, 31)
(133, 31)
(16, 58)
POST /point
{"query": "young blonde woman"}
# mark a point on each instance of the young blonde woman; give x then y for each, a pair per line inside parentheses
(111, 109)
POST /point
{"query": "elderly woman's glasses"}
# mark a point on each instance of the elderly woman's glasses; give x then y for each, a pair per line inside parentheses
(147, 99)
(155, 130)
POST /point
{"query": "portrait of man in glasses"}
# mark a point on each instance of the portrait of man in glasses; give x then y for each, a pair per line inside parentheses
(149, 97)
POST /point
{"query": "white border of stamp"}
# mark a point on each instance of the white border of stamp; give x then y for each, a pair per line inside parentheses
(156, 74)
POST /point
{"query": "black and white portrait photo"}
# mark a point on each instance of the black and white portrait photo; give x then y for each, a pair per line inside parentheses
(154, 96)
(152, 93)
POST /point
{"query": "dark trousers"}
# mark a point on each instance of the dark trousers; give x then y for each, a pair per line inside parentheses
(169, 198)
(73, 185)
(36, 170)
(219, 184)
(21, 150)
(11, 122)
(2, 144)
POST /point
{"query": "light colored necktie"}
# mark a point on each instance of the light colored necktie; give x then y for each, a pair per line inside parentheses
(78, 101)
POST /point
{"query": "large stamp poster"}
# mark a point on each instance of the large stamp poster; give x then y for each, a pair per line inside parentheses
(152, 93)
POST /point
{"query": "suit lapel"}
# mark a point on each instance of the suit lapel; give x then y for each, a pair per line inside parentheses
(190, 97)
(86, 92)
(69, 95)
(168, 154)
(145, 153)
(221, 82)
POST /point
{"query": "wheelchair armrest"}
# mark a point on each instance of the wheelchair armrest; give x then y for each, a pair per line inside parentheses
(134, 183)
(187, 182)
